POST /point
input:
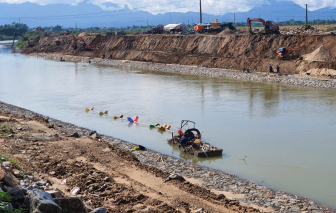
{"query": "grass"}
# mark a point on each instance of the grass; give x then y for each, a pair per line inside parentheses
(14, 162)
(5, 130)
(4, 204)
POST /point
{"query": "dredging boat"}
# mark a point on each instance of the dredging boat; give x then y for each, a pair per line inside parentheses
(190, 141)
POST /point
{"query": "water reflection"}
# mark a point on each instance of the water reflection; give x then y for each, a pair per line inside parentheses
(193, 158)
(276, 126)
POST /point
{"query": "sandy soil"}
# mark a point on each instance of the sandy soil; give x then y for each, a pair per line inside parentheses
(107, 176)
(230, 51)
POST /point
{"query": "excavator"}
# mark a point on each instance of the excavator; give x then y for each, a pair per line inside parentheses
(287, 54)
(83, 43)
(68, 32)
(24, 38)
(269, 26)
(44, 32)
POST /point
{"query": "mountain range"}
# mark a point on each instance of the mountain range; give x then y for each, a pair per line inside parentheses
(85, 15)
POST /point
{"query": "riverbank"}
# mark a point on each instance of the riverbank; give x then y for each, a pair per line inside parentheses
(246, 192)
(196, 70)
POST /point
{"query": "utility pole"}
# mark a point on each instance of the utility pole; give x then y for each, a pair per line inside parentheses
(19, 20)
(147, 22)
(234, 19)
(277, 19)
(200, 11)
(306, 14)
(170, 19)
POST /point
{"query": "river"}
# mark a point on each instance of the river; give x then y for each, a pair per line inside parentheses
(286, 132)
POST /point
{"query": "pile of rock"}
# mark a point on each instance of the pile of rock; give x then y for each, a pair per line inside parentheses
(300, 30)
(21, 191)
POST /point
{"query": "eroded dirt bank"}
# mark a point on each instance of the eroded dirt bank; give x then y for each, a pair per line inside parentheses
(229, 51)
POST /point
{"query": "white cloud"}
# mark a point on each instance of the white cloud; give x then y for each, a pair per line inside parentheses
(216, 7)
(315, 4)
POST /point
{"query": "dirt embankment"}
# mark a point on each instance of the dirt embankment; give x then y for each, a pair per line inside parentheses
(107, 176)
(228, 51)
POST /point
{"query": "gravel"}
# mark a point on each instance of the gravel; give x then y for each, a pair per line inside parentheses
(195, 70)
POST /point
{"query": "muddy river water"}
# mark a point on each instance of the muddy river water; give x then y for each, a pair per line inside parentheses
(288, 133)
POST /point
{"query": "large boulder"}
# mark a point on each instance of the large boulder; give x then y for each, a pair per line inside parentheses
(16, 193)
(71, 205)
(40, 201)
(8, 177)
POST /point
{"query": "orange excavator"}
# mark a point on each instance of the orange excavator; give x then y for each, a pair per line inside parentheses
(24, 38)
(286, 54)
(82, 42)
(269, 26)
(41, 29)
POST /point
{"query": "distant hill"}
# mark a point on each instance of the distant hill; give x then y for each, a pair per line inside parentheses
(67, 15)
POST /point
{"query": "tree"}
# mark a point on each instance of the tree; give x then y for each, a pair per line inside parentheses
(57, 28)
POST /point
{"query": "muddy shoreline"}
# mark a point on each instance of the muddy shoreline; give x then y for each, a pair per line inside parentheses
(194, 70)
(241, 190)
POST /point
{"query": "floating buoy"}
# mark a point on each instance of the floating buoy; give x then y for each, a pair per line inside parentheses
(167, 127)
(161, 128)
(115, 117)
(136, 118)
(180, 132)
(136, 148)
(157, 124)
(92, 108)
(151, 126)
(100, 113)
(130, 119)
(121, 116)
(87, 109)
(106, 112)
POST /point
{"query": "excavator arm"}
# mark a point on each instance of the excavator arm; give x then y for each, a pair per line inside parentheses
(83, 43)
(24, 38)
(249, 23)
(41, 29)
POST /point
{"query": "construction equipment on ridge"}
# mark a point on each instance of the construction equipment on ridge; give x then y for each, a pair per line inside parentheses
(24, 38)
(83, 44)
(269, 26)
(286, 54)
(212, 27)
(44, 32)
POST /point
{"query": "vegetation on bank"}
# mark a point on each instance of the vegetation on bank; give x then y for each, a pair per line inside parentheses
(7, 31)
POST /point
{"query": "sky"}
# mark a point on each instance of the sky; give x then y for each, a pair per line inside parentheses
(215, 7)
